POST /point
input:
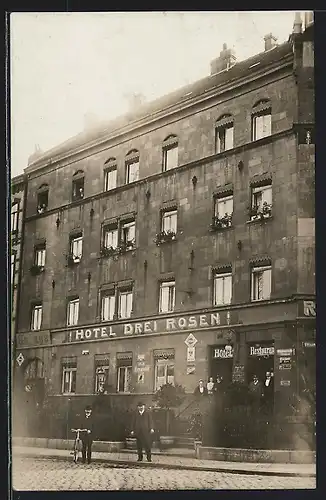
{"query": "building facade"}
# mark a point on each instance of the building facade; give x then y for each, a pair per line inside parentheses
(177, 243)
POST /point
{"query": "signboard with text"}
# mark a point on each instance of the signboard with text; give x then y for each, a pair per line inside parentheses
(307, 309)
(33, 339)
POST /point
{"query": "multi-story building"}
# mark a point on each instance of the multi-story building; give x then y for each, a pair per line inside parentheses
(177, 243)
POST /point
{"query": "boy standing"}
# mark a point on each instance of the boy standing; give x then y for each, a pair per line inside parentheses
(86, 436)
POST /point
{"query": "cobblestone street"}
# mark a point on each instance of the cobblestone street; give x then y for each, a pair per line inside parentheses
(52, 474)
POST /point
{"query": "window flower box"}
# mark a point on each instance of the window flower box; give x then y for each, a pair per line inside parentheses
(221, 222)
(164, 237)
(124, 247)
(73, 260)
(108, 251)
(260, 213)
(35, 269)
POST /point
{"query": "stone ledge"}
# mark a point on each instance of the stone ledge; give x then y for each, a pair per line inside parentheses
(255, 456)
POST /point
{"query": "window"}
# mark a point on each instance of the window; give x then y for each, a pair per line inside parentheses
(170, 157)
(36, 317)
(76, 248)
(125, 303)
(167, 296)
(13, 265)
(73, 312)
(222, 288)
(261, 283)
(132, 171)
(14, 217)
(101, 373)
(110, 237)
(261, 202)
(42, 198)
(110, 178)
(78, 186)
(69, 372)
(40, 256)
(124, 372)
(128, 233)
(261, 120)
(169, 221)
(107, 305)
(163, 367)
(224, 133)
(223, 211)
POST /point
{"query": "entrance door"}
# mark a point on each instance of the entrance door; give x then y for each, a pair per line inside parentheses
(221, 363)
(260, 363)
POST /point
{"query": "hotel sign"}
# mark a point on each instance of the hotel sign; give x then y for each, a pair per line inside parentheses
(160, 325)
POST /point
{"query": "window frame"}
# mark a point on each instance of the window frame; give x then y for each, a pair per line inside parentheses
(165, 362)
(261, 113)
(222, 275)
(36, 317)
(127, 369)
(124, 293)
(41, 207)
(97, 382)
(104, 295)
(122, 240)
(166, 150)
(76, 300)
(255, 269)
(107, 171)
(170, 284)
(168, 214)
(40, 249)
(78, 178)
(14, 221)
(110, 228)
(221, 142)
(257, 209)
(129, 164)
(76, 239)
(13, 259)
(72, 370)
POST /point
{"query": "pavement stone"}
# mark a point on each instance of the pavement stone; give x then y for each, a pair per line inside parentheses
(52, 474)
(175, 462)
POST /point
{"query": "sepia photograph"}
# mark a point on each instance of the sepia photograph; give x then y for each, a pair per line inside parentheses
(162, 250)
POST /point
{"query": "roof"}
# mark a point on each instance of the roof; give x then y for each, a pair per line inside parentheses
(238, 71)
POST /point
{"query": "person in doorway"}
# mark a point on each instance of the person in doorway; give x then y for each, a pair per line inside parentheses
(256, 394)
(142, 429)
(201, 390)
(210, 386)
(87, 435)
(269, 392)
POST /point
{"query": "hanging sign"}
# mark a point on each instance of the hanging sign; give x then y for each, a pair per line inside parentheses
(191, 354)
(191, 340)
(238, 374)
(224, 352)
(190, 370)
(20, 359)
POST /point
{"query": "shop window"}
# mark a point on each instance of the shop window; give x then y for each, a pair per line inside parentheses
(132, 166)
(167, 296)
(101, 373)
(223, 211)
(224, 133)
(222, 293)
(107, 305)
(69, 375)
(261, 120)
(261, 279)
(124, 372)
(78, 186)
(76, 249)
(125, 297)
(42, 198)
(14, 217)
(163, 367)
(36, 320)
(73, 312)
(110, 174)
(261, 202)
(170, 153)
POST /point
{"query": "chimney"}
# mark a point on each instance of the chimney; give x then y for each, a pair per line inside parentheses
(270, 41)
(226, 60)
(297, 25)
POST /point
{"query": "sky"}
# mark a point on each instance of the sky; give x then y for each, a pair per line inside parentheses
(64, 65)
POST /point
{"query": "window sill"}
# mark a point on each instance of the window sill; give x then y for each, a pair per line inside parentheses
(218, 229)
(253, 301)
(165, 242)
(259, 220)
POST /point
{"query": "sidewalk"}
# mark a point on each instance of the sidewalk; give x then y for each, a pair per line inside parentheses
(170, 461)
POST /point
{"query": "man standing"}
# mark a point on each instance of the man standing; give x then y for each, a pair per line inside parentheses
(142, 428)
(256, 394)
(86, 436)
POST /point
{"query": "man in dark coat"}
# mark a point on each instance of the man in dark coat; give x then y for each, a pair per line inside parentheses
(201, 390)
(87, 435)
(142, 428)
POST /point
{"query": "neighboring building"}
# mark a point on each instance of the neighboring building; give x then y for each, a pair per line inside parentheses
(192, 215)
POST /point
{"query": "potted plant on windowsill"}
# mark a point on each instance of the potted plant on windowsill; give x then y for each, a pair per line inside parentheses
(221, 222)
(35, 269)
(108, 251)
(164, 237)
(167, 398)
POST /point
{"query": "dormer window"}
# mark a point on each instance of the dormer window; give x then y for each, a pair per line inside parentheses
(42, 198)
(261, 120)
(224, 132)
(170, 153)
(78, 186)
(132, 166)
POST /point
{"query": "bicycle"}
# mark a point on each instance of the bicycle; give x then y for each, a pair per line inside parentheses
(77, 444)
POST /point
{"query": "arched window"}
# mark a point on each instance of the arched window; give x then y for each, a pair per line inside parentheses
(42, 198)
(78, 185)
(261, 120)
(170, 152)
(224, 133)
(132, 166)
(110, 174)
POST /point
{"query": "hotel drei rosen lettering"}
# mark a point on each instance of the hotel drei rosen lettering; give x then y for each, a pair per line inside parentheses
(160, 325)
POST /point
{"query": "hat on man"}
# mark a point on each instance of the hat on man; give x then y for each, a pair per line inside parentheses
(140, 404)
(88, 408)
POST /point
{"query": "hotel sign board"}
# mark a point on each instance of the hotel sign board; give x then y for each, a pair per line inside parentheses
(158, 325)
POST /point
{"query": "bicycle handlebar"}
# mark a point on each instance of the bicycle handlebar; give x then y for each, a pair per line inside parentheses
(76, 430)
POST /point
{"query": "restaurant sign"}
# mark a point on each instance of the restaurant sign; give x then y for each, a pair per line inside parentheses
(307, 308)
(160, 325)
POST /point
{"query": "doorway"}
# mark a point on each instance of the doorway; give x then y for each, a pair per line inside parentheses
(260, 363)
(221, 363)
